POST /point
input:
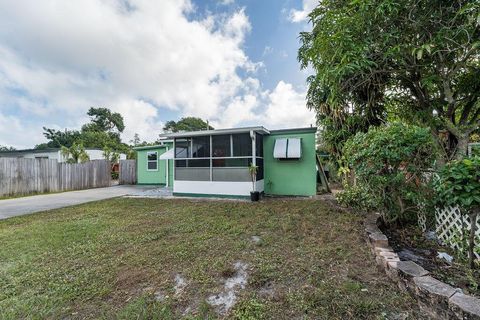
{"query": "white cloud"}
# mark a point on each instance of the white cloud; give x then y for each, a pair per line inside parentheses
(139, 57)
(227, 2)
(286, 108)
(302, 15)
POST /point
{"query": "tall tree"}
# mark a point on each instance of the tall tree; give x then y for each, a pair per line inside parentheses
(59, 138)
(415, 60)
(103, 131)
(104, 120)
(187, 124)
(5, 148)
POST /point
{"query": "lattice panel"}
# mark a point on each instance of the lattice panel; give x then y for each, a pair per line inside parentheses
(449, 223)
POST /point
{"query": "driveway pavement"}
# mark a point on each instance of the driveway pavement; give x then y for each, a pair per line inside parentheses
(20, 206)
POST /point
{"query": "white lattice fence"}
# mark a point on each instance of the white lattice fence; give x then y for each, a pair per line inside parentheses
(449, 222)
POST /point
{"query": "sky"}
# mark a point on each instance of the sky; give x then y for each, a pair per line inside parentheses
(231, 62)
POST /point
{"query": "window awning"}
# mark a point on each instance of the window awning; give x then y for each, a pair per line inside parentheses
(167, 155)
(290, 148)
(294, 150)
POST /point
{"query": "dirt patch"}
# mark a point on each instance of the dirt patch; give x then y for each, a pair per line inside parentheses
(226, 299)
(410, 243)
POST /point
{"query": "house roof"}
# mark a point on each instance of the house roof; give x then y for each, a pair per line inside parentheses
(46, 150)
(156, 146)
(258, 129)
(295, 130)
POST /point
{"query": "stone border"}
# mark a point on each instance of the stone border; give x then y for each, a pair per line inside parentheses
(436, 299)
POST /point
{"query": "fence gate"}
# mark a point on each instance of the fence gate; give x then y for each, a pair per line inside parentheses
(128, 172)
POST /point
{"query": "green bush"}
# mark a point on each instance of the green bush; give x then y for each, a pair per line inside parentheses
(390, 164)
(458, 184)
(358, 197)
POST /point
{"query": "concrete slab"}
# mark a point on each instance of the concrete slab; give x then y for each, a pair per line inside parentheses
(25, 205)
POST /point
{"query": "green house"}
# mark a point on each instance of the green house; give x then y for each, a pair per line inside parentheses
(215, 162)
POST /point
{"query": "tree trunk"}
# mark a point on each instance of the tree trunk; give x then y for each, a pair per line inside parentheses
(471, 240)
(462, 146)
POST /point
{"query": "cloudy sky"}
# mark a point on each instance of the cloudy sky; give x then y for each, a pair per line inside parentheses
(232, 62)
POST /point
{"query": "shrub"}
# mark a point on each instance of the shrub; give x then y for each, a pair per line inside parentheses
(390, 163)
(358, 197)
(458, 184)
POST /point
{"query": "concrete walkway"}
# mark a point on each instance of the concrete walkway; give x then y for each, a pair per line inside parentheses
(20, 206)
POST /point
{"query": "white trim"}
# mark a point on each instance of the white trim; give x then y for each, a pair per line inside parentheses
(148, 161)
(258, 129)
(211, 158)
(217, 187)
(166, 171)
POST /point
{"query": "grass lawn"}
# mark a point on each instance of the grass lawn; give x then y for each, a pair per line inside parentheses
(163, 259)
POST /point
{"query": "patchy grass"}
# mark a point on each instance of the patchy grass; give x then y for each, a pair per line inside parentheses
(119, 259)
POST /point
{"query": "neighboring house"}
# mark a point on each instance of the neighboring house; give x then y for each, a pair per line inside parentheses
(215, 162)
(52, 153)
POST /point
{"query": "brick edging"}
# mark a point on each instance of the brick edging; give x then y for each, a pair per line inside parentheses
(435, 298)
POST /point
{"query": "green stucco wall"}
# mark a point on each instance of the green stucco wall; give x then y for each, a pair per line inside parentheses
(145, 176)
(290, 177)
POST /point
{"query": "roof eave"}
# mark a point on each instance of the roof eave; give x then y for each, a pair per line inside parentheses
(187, 134)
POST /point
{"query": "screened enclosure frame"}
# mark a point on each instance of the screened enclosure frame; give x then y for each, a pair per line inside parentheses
(221, 164)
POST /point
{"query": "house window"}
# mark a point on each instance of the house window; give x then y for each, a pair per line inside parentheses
(152, 161)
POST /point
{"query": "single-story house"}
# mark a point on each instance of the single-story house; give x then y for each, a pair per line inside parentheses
(215, 162)
(53, 153)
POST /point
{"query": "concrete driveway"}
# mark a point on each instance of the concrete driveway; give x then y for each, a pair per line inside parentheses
(20, 206)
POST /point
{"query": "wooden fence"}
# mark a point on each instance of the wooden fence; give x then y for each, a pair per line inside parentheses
(128, 172)
(20, 176)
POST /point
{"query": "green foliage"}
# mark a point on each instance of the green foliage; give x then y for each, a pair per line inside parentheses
(252, 169)
(59, 138)
(103, 131)
(5, 148)
(390, 163)
(381, 59)
(187, 124)
(111, 155)
(75, 154)
(459, 184)
(359, 197)
(104, 120)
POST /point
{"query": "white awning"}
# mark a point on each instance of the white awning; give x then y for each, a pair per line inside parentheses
(294, 150)
(167, 155)
(290, 148)
(280, 149)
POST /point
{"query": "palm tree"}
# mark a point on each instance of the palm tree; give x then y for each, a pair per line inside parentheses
(75, 154)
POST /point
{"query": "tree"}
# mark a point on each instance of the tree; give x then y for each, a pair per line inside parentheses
(410, 60)
(111, 155)
(136, 140)
(103, 131)
(389, 163)
(5, 148)
(104, 120)
(75, 154)
(59, 138)
(186, 124)
(459, 185)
